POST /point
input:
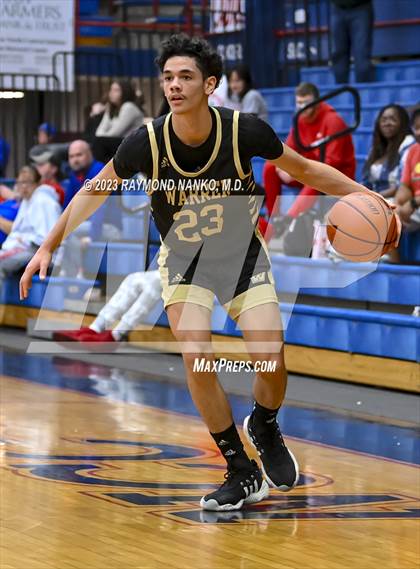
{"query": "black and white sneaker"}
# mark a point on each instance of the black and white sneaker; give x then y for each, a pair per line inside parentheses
(240, 487)
(279, 465)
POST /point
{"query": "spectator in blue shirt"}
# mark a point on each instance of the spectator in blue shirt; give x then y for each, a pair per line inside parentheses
(83, 167)
(8, 212)
(104, 225)
(4, 156)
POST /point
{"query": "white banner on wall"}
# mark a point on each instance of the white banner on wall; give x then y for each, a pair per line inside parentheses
(227, 16)
(31, 32)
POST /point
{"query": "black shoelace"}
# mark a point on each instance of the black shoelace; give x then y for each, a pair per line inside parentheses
(230, 474)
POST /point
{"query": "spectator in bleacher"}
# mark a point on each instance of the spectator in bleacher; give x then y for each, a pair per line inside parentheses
(46, 133)
(48, 166)
(241, 96)
(352, 32)
(104, 225)
(128, 307)
(408, 195)
(122, 115)
(4, 156)
(38, 212)
(83, 167)
(317, 122)
(392, 139)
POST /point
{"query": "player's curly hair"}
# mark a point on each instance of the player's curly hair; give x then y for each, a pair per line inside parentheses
(208, 60)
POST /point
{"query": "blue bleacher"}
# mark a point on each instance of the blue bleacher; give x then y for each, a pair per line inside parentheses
(117, 259)
(49, 294)
(145, 3)
(367, 282)
(281, 117)
(88, 7)
(355, 331)
(406, 92)
(384, 72)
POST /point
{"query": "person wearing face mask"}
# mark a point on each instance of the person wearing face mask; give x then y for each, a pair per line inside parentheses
(314, 123)
(392, 139)
(38, 212)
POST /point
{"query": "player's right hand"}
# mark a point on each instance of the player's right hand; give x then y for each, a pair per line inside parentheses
(39, 262)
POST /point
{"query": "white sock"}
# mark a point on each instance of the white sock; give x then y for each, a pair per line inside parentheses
(98, 325)
(117, 335)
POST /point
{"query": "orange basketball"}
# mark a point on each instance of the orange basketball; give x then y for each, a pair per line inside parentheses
(361, 227)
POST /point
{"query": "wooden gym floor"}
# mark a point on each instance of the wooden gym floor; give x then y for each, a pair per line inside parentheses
(103, 471)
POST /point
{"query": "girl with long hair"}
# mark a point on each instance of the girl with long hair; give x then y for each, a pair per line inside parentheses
(392, 138)
(122, 115)
(241, 95)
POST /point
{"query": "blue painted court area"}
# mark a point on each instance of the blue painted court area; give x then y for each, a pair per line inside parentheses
(340, 430)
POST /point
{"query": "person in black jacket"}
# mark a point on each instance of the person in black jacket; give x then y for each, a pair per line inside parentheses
(352, 30)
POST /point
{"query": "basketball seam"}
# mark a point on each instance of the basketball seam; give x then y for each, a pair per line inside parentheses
(366, 218)
(386, 217)
(353, 236)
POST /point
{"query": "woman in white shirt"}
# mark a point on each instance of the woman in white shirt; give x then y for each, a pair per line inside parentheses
(122, 115)
(241, 96)
(392, 138)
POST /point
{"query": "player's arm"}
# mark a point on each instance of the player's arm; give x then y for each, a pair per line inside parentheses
(87, 200)
(318, 175)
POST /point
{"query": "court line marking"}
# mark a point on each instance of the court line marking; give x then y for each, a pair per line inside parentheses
(115, 400)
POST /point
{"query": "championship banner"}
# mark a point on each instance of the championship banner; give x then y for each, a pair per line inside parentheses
(31, 32)
(227, 16)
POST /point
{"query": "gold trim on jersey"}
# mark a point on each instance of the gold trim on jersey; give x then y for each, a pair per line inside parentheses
(154, 149)
(235, 143)
(163, 269)
(263, 242)
(193, 294)
(212, 157)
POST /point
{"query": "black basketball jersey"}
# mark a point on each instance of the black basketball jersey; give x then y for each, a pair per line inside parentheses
(214, 208)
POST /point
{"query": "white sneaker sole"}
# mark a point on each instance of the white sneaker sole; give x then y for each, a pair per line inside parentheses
(282, 487)
(213, 505)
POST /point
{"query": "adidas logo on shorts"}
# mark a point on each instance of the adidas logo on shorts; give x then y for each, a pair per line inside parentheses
(178, 278)
(259, 278)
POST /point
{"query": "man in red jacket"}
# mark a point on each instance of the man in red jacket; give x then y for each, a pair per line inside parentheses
(314, 123)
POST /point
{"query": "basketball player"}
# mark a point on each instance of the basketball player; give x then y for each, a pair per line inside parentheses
(210, 247)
